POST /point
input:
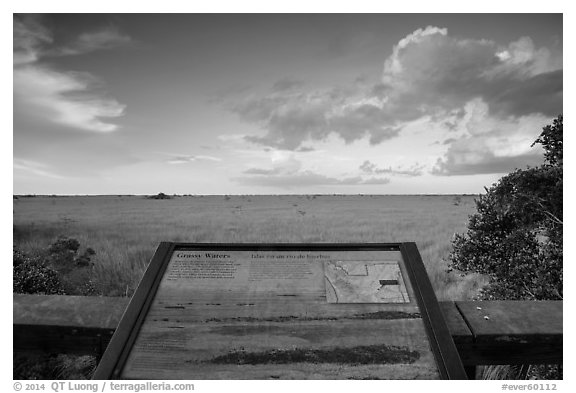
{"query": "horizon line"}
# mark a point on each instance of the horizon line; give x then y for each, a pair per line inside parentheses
(29, 195)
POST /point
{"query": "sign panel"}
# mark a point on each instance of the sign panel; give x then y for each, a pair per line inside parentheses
(218, 311)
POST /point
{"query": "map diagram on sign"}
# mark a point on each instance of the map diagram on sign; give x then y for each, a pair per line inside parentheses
(364, 282)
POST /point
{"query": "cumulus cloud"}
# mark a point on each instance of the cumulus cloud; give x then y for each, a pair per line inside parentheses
(263, 171)
(412, 171)
(435, 71)
(293, 117)
(462, 160)
(522, 58)
(287, 172)
(375, 180)
(305, 149)
(491, 145)
(71, 99)
(304, 179)
(185, 159)
(429, 74)
(541, 93)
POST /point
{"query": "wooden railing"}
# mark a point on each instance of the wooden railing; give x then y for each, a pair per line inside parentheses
(485, 333)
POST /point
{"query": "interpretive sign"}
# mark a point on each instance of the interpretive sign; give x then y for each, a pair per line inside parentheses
(283, 311)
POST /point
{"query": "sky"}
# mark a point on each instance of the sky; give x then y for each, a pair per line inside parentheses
(280, 104)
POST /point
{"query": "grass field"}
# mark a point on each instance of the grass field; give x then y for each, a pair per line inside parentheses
(125, 230)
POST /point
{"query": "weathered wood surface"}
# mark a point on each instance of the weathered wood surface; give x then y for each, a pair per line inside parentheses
(65, 324)
(516, 332)
(514, 321)
(74, 311)
(459, 330)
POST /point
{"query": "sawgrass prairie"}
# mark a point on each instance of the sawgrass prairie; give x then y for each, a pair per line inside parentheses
(125, 230)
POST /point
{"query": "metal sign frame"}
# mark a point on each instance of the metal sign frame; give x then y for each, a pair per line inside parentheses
(445, 353)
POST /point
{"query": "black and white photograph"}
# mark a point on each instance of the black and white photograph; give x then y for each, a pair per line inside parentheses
(286, 196)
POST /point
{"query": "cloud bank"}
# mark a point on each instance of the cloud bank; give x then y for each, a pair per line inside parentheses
(429, 75)
(288, 172)
(491, 145)
(185, 159)
(306, 179)
(412, 171)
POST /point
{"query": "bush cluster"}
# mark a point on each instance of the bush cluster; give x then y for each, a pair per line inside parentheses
(160, 195)
(31, 275)
(64, 253)
(57, 271)
(515, 237)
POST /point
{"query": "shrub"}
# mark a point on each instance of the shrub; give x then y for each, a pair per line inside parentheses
(63, 254)
(457, 200)
(84, 259)
(160, 195)
(31, 275)
(58, 270)
(516, 235)
(64, 244)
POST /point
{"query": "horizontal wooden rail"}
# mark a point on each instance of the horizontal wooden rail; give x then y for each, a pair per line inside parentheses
(489, 332)
(80, 325)
(505, 332)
